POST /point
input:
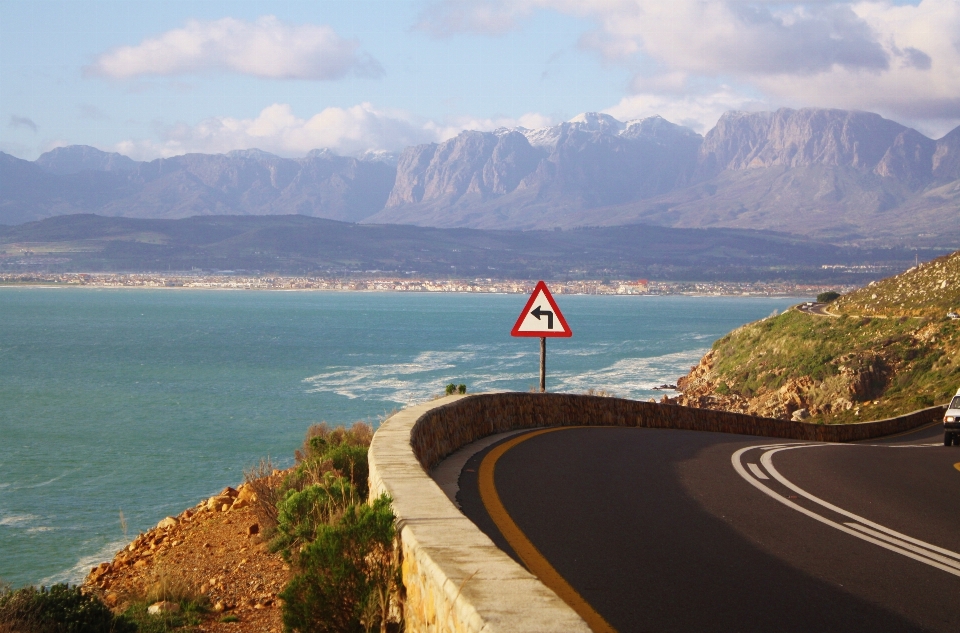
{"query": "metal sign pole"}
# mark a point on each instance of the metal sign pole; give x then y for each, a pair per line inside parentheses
(543, 364)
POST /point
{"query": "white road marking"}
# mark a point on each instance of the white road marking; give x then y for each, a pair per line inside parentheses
(767, 461)
(905, 545)
(756, 471)
(883, 539)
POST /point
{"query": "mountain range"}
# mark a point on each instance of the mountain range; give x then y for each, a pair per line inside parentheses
(830, 174)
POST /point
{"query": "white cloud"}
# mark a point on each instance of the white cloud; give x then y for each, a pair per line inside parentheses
(900, 60)
(266, 48)
(697, 111)
(277, 129)
(450, 129)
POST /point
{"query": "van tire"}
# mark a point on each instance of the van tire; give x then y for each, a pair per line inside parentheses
(947, 439)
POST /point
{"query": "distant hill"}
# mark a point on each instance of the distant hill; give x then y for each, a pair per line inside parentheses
(829, 174)
(892, 350)
(295, 244)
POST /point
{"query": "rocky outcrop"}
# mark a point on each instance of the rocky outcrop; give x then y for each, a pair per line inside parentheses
(946, 157)
(798, 138)
(513, 175)
(214, 552)
(860, 379)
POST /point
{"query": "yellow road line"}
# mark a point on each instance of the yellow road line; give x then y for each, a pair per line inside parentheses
(957, 465)
(526, 550)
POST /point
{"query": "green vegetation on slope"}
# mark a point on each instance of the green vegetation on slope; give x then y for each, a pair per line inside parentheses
(931, 289)
(346, 573)
(893, 350)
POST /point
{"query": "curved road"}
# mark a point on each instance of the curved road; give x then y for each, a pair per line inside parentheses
(662, 530)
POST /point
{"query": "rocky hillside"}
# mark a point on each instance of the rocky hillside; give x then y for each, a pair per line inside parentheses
(928, 290)
(892, 350)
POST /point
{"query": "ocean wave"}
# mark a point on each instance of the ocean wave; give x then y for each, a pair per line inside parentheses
(629, 377)
(79, 571)
(415, 381)
(17, 520)
(395, 378)
(19, 486)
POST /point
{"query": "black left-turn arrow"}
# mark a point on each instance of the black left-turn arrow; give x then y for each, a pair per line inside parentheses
(537, 312)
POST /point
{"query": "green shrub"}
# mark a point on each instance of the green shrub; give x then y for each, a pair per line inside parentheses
(461, 389)
(320, 437)
(301, 513)
(451, 389)
(59, 609)
(346, 574)
(350, 462)
(827, 297)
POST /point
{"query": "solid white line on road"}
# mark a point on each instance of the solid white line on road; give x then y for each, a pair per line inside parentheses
(905, 545)
(756, 471)
(767, 461)
(735, 459)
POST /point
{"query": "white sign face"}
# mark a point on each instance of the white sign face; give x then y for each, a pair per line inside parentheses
(541, 317)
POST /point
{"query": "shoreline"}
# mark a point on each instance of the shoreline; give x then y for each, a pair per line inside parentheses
(642, 288)
(701, 295)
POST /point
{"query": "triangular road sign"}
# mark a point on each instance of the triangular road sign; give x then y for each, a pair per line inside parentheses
(541, 317)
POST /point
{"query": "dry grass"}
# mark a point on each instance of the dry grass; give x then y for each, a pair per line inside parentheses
(170, 587)
(265, 482)
(602, 393)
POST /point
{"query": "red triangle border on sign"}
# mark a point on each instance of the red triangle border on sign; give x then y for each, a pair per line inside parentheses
(542, 286)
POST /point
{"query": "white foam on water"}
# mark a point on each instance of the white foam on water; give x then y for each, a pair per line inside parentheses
(629, 377)
(79, 571)
(395, 382)
(17, 520)
(407, 383)
(42, 483)
(35, 530)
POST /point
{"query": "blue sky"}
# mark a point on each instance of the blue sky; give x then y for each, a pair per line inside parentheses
(153, 79)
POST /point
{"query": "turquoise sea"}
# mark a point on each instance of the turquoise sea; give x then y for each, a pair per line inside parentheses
(145, 401)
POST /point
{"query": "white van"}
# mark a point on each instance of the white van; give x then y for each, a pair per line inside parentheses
(951, 422)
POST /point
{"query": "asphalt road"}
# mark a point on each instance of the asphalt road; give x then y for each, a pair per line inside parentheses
(818, 309)
(663, 530)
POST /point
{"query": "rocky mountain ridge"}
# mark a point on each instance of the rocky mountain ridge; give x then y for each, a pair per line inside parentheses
(830, 174)
(82, 179)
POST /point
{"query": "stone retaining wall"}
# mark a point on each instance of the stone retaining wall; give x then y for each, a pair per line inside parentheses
(445, 429)
(456, 579)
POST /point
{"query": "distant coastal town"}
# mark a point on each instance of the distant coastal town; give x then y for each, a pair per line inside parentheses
(231, 281)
